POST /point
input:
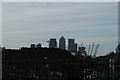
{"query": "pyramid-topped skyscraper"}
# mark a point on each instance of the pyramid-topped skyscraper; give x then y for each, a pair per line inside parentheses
(62, 43)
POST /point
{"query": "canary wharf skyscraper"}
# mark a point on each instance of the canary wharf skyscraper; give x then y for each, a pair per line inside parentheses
(62, 43)
(72, 46)
(53, 43)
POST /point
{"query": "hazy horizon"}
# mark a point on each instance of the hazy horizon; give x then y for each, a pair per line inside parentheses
(37, 22)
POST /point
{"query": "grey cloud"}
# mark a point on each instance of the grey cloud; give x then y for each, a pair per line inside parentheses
(24, 23)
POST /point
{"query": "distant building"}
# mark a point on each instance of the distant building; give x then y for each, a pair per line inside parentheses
(0, 48)
(81, 52)
(72, 46)
(37, 64)
(53, 43)
(118, 49)
(75, 47)
(62, 43)
(3, 48)
(38, 46)
(32, 46)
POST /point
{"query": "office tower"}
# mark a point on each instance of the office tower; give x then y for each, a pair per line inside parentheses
(53, 43)
(62, 43)
(32, 45)
(118, 49)
(72, 46)
(38, 45)
(75, 47)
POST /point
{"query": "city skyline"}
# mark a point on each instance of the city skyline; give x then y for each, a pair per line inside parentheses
(26, 23)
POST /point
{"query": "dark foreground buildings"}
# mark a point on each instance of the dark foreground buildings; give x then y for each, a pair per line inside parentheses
(39, 64)
(56, 64)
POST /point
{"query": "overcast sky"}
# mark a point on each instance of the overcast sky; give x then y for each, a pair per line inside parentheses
(59, 0)
(89, 22)
(0, 23)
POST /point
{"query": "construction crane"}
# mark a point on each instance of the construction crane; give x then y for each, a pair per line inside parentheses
(48, 42)
(89, 49)
(96, 50)
(92, 49)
